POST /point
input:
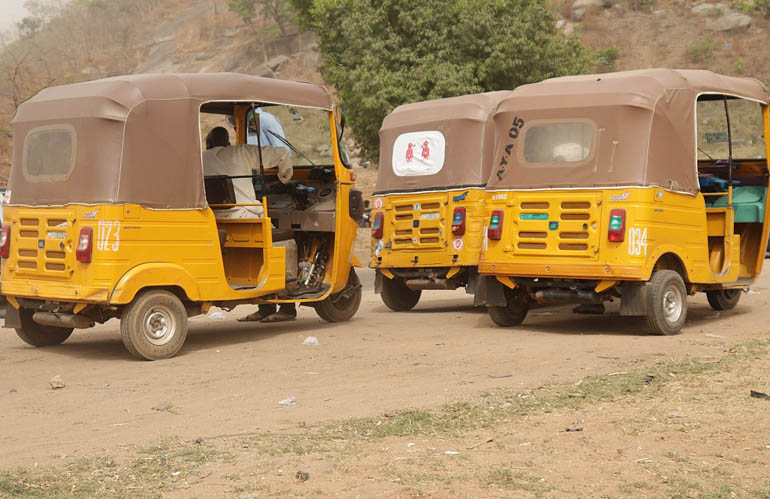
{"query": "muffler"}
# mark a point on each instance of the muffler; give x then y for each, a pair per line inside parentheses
(62, 320)
(428, 283)
(554, 296)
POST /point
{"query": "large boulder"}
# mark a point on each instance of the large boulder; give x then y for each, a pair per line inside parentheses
(580, 7)
(710, 9)
(729, 22)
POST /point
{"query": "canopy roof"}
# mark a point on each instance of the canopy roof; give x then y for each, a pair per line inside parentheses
(640, 129)
(136, 139)
(467, 128)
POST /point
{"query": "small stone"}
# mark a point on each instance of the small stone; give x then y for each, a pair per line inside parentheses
(302, 476)
(56, 383)
(253, 495)
(12, 390)
(163, 406)
(729, 22)
(199, 440)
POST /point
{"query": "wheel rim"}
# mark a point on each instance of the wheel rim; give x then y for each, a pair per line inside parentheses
(673, 303)
(159, 325)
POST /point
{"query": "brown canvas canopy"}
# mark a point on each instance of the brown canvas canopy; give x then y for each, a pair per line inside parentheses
(632, 128)
(130, 139)
(466, 125)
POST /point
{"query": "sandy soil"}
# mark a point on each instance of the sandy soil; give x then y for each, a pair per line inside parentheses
(230, 376)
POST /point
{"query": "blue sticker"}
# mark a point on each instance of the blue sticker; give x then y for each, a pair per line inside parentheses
(415, 223)
(416, 206)
(553, 225)
(461, 197)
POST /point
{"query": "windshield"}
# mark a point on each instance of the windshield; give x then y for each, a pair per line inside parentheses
(303, 131)
(746, 129)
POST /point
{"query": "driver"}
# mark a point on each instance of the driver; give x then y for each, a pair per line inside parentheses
(220, 158)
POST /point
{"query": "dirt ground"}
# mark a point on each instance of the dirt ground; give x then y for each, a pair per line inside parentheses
(227, 382)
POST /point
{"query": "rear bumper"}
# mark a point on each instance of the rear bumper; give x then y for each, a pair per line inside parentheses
(577, 270)
(54, 291)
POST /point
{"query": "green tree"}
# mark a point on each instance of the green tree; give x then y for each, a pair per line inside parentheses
(383, 53)
(279, 11)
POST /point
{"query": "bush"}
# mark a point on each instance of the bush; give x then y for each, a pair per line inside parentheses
(740, 66)
(763, 6)
(604, 60)
(702, 51)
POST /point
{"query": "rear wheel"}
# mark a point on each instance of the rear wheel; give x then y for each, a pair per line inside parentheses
(724, 299)
(666, 302)
(343, 305)
(154, 325)
(514, 312)
(396, 296)
(37, 335)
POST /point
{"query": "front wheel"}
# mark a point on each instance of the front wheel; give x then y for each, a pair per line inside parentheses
(38, 335)
(154, 325)
(666, 302)
(723, 299)
(397, 296)
(515, 310)
(343, 305)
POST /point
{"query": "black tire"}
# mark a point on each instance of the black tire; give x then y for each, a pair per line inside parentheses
(666, 302)
(37, 335)
(514, 312)
(342, 306)
(724, 299)
(396, 296)
(154, 325)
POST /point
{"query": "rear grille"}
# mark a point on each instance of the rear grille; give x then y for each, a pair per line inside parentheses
(418, 224)
(36, 253)
(556, 226)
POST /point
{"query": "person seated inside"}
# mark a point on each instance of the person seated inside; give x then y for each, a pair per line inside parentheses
(221, 158)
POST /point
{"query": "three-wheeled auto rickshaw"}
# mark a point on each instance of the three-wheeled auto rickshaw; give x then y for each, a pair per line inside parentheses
(110, 214)
(646, 186)
(428, 213)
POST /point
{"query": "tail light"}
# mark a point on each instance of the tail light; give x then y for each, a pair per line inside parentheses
(85, 245)
(458, 222)
(5, 241)
(495, 230)
(617, 230)
(377, 225)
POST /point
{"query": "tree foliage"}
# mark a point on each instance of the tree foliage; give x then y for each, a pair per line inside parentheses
(383, 53)
(279, 11)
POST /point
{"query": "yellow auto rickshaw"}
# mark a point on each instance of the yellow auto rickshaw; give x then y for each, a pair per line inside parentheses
(109, 213)
(646, 186)
(428, 211)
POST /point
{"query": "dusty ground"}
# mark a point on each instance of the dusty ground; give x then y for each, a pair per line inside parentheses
(692, 433)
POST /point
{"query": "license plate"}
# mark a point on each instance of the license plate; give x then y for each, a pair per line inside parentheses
(55, 234)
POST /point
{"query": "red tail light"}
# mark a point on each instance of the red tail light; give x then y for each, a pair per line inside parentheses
(458, 222)
(377, 225)
(85, 245)
(617, 229)
(495, 230)
(5, 241)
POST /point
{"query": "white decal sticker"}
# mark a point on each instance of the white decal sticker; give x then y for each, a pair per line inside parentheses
(108, 235)
(637, 241)
(419, 153)
(620, 197)
(457, 244)
(485, 241)
(377, 203)
(6, 198)
(378, 248)
(91, 214)
(496, 197)
(430, 215)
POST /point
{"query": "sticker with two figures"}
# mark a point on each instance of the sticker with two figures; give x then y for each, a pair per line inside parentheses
(377, 203)
(637, 241)
(108, 235)
(457, 244)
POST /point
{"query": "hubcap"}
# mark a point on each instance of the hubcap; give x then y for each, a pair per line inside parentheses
(673, 302)
(159, 326)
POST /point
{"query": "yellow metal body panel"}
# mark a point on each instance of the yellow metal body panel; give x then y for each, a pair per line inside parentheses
(136, 248)
(563, 234)
(417, 230)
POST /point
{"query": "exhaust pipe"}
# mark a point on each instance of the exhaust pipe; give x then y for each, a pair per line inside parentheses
(62, 320)
(427, 283)
(554, 296)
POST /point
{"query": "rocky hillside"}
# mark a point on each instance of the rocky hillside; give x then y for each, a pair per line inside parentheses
(79, 43)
